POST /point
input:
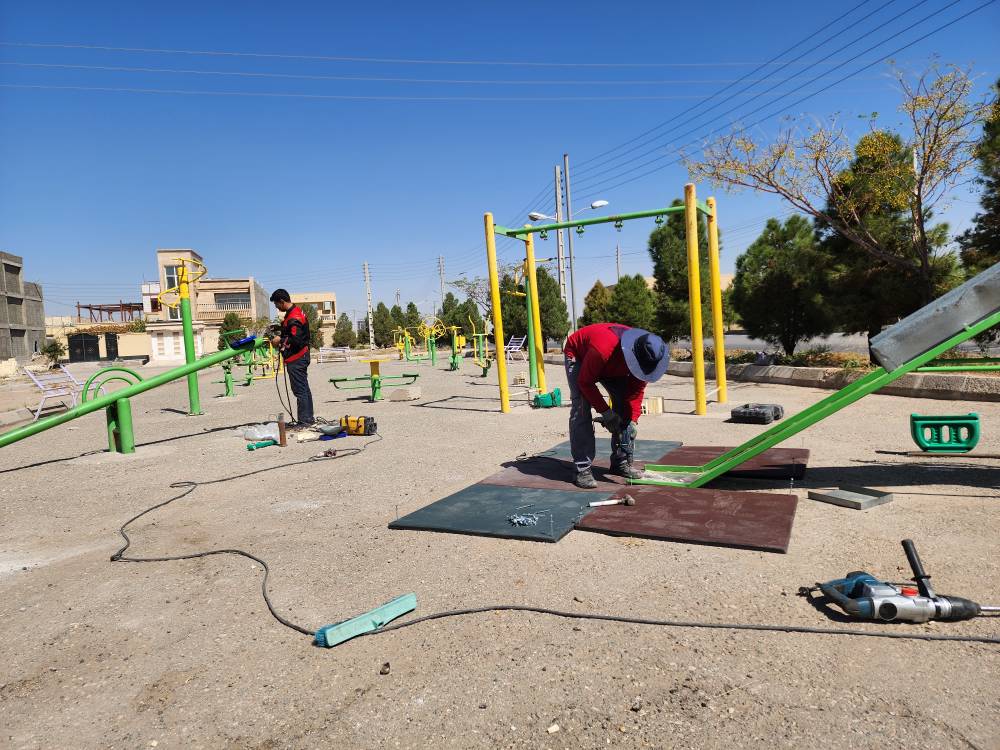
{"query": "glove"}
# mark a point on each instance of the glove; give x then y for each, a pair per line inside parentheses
(611, 421)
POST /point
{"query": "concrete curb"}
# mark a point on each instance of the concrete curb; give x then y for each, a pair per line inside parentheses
(941, 386)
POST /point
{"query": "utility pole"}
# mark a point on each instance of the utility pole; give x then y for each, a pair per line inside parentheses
(441, 276)
(618, 259)
(559, 235)
(371, 322)
(397, 298)
(569, 232)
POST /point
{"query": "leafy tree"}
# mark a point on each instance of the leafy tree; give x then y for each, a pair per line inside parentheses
(343, 334)
(805, 165)
(730, 318)
(315, 334)
(668, 251)
(981, 243)
(512, 307)
(469, 309)
(780, 289)
(595, 305)
(53, 351)
(872, 292)
(382, 325)
(231, 321)
(398, 319)
(411, 317)
(632, 302)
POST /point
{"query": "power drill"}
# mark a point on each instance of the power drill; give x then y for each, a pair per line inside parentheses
(862, 595)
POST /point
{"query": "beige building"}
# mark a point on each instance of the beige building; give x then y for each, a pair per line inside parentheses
(211, 300)
(326, 306)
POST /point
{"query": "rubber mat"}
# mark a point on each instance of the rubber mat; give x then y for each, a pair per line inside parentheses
(548, 473)
(775, 463)
(646, 451)
(750, 520)
(484, 510)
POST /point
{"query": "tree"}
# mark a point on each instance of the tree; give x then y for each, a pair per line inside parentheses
(313, 319)
(632, 302)
(730, 318)
(478, 289)
(470, 310)
(551, 308)
(396, 313)
(231, 321)
(343, 334)
(595, 305)
(870, 293)
(411, 317)
(382, 325)
(981, 242)
(779, 289)
(53, 351)
(512, 307)
(668, 251)
(804, 165)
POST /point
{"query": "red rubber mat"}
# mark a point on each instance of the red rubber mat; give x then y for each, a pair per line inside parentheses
(775, 463)
(750, 520)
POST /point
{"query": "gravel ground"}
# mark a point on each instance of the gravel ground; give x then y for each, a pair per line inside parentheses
(184, 654)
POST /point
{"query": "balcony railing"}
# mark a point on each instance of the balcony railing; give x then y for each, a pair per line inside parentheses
(216, 312)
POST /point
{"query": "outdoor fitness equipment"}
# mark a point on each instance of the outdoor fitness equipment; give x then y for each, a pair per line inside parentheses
(912, 343)
(185, 277)
(430, 329)
(955, 434)
(457, 348)
(117, 403)
(690, 210)
(480, 349)
(375, 380)
(259, 364)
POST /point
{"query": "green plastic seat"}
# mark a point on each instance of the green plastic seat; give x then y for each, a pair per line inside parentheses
(945, 434)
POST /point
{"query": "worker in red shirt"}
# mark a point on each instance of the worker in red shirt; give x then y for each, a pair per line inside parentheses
(623, 360)
(293, 343)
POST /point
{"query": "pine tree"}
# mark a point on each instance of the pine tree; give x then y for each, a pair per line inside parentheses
(382, 325)
(632, 303)
(411, 317)
(668, 251)
(551, 308)
(344, 334)
(398, 319)
(780, 289)
(363, 331)
(595, 305)
(981, 243)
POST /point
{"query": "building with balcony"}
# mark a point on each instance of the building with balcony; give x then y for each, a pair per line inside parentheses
(218, 297)
(326, 307)
(22, 311)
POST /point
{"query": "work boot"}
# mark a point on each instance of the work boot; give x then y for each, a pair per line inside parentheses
(624, 468)
(585, 479)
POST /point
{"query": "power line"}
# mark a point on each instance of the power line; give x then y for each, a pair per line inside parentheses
(368, 79)
(785, 108)
(379, 60)
(584, 169)
(807, 83)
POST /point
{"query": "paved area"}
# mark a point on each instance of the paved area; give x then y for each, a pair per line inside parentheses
(97, 654)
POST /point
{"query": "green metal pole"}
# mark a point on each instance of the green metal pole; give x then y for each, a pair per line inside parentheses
(126, 438)
(532, 357)
(534, 229)
(194, 399)
(133, 390)
(376, 387)
(432, 348)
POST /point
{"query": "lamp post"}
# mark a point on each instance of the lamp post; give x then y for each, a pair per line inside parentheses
(538, 216)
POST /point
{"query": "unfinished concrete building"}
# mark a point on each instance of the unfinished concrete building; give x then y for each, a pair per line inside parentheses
(22, 312)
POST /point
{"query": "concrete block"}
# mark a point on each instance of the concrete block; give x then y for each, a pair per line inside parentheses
(408, 393)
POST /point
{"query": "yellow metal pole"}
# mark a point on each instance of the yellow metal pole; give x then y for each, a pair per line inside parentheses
(694, 296)
(529, 254)
(491, 261)
(718, 332)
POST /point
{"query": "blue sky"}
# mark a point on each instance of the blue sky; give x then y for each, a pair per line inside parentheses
(275, 176)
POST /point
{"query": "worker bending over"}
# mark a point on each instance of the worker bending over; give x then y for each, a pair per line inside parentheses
(623, 360)
(293, 343)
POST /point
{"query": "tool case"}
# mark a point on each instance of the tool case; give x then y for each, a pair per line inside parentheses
(756, 413)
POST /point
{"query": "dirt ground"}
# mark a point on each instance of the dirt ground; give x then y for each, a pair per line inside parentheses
(95, 654)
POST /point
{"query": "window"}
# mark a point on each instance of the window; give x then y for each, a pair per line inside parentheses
(232, 300)
(170, 279)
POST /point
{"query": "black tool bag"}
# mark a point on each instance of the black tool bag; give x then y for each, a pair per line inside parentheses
(756, 413)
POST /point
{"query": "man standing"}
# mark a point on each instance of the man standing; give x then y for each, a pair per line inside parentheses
(293, 343)
(623, 360)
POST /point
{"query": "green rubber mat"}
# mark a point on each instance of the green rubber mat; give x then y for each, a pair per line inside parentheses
(484, 510)
(646, 451)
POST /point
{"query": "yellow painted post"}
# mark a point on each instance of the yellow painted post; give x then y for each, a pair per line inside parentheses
(718, 331)
(694, 296)
(491, 261)
(529, 254)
